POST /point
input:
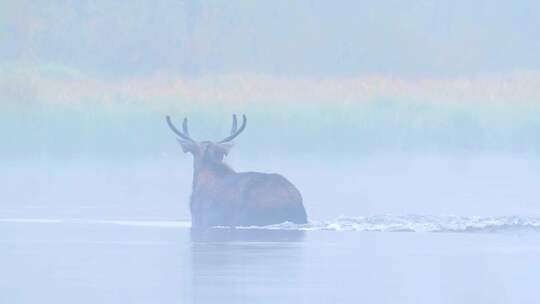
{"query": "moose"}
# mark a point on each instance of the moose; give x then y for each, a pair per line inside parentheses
(223, 197)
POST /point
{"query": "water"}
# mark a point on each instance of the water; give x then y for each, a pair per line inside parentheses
(341, 261)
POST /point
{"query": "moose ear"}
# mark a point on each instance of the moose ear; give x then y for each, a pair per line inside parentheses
(226, 147)
(188, 146)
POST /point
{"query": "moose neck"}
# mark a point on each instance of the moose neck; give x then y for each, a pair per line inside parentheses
(207, 174)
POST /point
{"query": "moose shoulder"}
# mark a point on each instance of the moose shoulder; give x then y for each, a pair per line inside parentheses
(222, 197)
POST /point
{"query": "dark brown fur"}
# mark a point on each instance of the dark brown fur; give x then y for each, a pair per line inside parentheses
(222, 197)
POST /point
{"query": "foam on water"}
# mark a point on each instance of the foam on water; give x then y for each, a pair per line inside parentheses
(419, 223)
(379, 223)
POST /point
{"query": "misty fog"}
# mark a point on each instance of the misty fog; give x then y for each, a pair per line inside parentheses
(388, 117)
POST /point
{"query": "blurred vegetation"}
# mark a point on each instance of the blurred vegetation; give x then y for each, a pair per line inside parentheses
(53, 112)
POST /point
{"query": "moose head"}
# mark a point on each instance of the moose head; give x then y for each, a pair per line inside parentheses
(207, 152)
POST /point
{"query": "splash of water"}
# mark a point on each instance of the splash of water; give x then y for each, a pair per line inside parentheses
(419, 223)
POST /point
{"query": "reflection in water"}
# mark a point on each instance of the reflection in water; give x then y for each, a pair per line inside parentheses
(245, 235)
(74, 262)
(245, 266)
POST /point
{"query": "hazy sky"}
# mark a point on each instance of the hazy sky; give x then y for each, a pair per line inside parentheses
(285, 38)
(433, 76)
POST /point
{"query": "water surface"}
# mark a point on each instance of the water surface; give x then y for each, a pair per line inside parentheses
(93, 261)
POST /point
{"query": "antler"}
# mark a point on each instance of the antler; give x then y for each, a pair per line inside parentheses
(234, 124)
(234, 131)
(184, 135)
